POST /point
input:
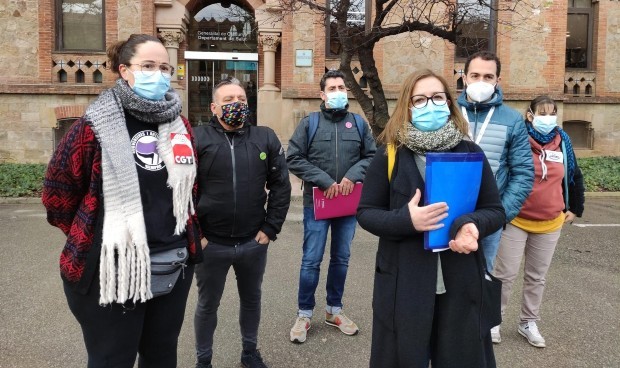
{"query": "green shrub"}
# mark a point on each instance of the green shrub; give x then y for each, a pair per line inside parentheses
(600, 174)
(21, 180)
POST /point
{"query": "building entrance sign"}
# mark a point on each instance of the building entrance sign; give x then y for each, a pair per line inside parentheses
(207, 69)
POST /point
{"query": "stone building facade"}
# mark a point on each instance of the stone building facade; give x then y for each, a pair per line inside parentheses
(48, 80)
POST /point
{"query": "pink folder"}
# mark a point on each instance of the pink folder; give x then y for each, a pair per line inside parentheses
(338, 206)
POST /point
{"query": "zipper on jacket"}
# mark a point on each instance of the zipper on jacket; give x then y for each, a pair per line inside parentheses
(231, 142)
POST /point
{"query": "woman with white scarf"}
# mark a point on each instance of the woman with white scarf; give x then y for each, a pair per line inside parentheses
(121, 186)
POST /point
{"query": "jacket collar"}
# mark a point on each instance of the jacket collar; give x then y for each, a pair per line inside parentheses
(334, 115)
(215, 123)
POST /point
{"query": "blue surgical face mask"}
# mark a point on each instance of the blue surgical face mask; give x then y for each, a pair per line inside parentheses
(337, 100)
(151, 85)
(431, 117)
(545, 123)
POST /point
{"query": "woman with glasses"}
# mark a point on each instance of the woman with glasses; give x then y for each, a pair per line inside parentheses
(121, 186)
(426, 305)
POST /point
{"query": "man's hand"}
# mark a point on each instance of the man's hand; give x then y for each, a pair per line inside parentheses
(346, 186)
(261, 238)
(466, 239)
(204, 242)
(332, 191)
(426, 218)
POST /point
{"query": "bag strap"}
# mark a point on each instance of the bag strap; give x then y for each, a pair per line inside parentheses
(313, 125)
(391, 153)
(361, 126)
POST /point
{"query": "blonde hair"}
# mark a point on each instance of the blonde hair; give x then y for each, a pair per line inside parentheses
(402, 112)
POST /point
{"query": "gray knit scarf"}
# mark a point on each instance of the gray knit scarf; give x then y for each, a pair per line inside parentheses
(421, 142)
(124, 271)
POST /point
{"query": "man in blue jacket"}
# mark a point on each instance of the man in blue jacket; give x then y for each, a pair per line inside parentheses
(500, 131)
(330, 150)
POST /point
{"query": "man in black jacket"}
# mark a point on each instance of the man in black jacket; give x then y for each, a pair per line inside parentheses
(236, 162)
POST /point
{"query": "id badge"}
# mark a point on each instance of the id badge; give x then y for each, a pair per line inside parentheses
(554, 156)
(182, 148)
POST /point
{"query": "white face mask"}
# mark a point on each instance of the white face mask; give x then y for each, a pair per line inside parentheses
(480, 91)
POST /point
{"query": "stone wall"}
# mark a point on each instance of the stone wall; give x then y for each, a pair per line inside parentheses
(27, 124)
(19, 38)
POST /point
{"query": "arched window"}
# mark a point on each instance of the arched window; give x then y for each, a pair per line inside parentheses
(223, 27)
(79, 76)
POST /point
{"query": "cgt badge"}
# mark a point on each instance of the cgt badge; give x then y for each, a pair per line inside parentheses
(182, 148)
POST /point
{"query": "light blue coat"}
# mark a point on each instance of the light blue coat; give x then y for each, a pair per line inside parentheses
(505, 143)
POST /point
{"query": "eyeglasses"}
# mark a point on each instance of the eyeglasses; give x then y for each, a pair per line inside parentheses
(153, 67)
(420, 101)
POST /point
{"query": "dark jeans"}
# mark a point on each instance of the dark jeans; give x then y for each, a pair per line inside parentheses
(114, 334)
(248, 260)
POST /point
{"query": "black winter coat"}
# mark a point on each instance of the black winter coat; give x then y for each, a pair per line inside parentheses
(233, 171)
(411, 323)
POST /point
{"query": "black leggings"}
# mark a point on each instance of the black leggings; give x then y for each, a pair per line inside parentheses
(114, 334)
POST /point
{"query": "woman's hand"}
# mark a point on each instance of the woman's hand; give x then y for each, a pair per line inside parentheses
(569, 217)
(466, 239)
(204, 242)
(426, 218)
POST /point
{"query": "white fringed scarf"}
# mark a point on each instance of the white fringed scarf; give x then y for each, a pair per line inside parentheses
(124, 269)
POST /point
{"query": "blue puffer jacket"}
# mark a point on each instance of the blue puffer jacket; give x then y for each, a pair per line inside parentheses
(505, 143)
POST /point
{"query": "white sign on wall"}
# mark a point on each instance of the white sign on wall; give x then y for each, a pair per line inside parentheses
(303, 57)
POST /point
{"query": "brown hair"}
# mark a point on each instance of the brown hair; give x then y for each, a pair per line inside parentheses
(402, 112)
(486, 56)
(121, 52)
(540, 100)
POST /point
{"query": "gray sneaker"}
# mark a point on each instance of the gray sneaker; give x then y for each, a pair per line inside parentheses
(299, 330)
(496, 338)
(529, 330)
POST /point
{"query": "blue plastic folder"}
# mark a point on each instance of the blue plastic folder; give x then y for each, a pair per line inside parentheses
(453, 178)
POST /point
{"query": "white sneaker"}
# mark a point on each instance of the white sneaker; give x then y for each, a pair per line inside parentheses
(299, 330)
(496, 338)
(529, 330)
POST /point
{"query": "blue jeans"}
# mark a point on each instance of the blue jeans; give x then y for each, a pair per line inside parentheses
(315, 237)
(490, 246)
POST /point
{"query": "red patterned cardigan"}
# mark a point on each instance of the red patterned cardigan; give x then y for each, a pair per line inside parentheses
(71, 195)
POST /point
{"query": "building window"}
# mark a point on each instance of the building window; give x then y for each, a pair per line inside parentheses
(580, 24)
(580, 132)
(356, 18)
(80, 25)
(477, 30)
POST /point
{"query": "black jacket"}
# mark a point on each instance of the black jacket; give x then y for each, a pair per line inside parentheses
(405, 305)
(233, 171)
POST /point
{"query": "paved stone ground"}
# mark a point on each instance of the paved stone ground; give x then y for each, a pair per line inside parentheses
(581, 317)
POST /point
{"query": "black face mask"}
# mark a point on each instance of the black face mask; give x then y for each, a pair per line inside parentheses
(235, 113)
